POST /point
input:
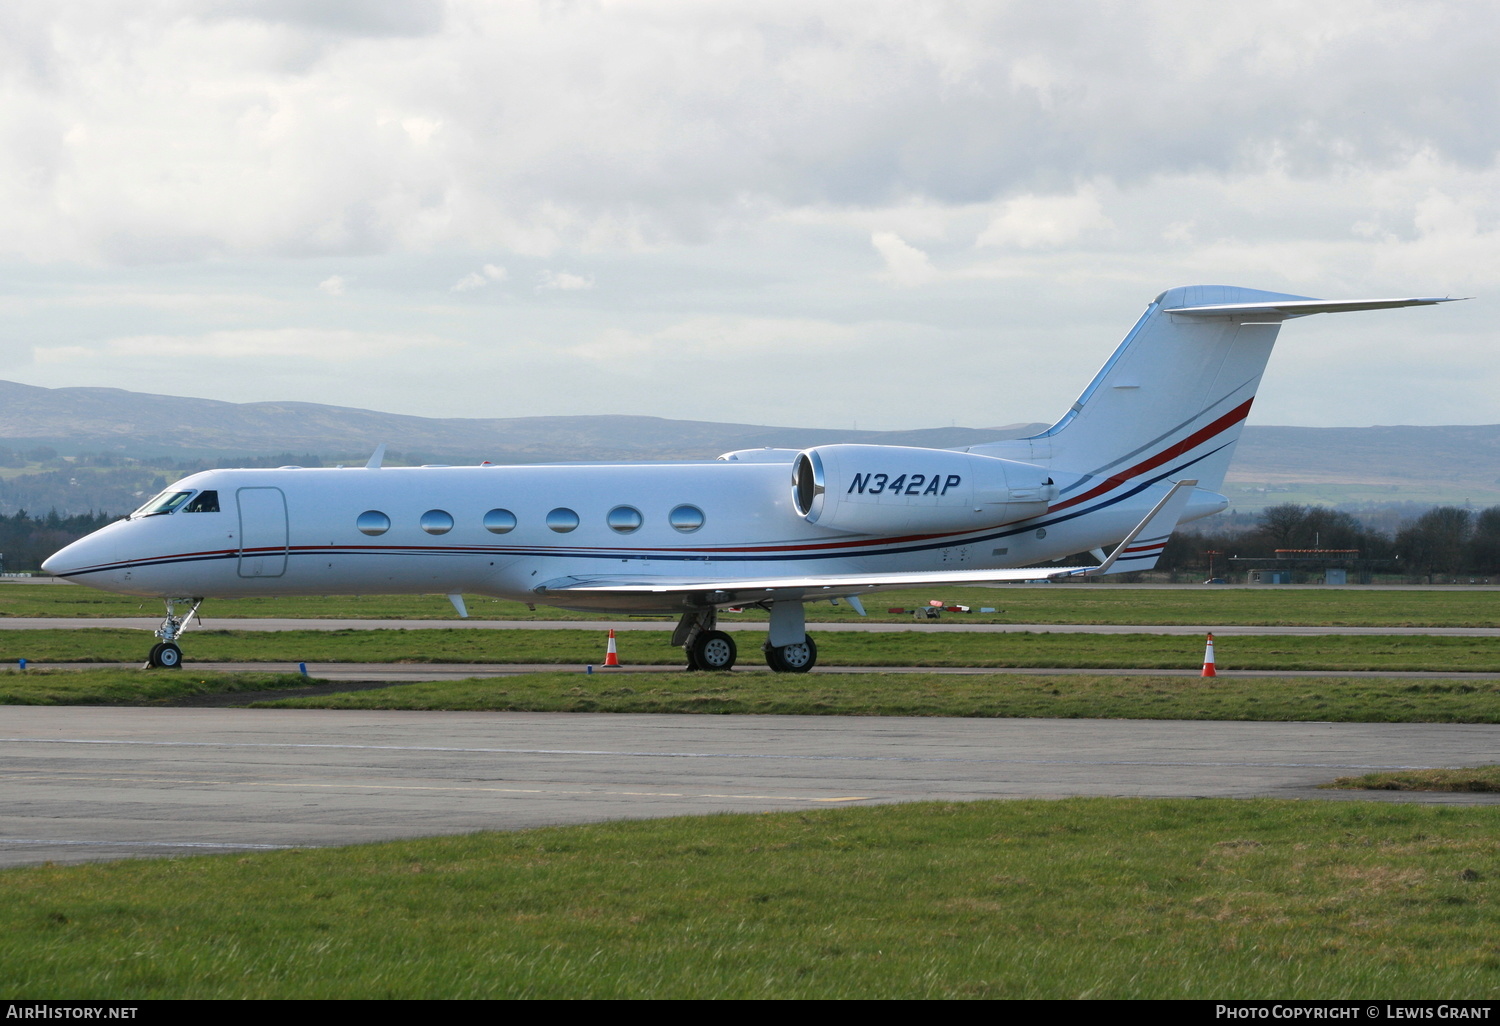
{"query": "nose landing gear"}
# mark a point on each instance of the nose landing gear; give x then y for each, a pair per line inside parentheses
(166, 654)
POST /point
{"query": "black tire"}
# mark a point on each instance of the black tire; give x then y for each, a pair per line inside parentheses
(166, 656)
(712, 650)
(793, 658)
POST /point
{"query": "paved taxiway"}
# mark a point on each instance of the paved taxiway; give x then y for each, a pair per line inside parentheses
(91, 783)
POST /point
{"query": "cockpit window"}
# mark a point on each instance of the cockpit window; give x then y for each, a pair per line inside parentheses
(204, 502)
(166, 502)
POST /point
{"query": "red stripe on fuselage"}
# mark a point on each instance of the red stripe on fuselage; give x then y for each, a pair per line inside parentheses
(1189, 443)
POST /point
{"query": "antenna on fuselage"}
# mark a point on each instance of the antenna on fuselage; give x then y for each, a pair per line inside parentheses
(376, 457)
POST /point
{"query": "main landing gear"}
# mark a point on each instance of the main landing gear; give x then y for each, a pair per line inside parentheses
(708, 648)
(798, 658)
(166, 654)
(712, 650)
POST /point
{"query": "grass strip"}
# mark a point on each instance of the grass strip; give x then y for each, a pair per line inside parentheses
(132, 687)
(1049, 604)
(1477, 779)
(847, 648)
(1075, 696)
(1082, 898)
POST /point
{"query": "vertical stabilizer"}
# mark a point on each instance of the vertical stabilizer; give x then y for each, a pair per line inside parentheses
(1176, 391)
(1171, 400)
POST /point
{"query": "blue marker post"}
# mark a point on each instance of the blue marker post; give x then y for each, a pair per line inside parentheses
(303, 668)
(23, 664)
(587, 669)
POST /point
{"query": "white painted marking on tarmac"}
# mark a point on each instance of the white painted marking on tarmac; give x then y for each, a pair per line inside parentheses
(346, 785)
(712, 755)
(150, 844)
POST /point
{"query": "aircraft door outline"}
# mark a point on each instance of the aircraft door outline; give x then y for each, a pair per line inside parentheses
(263, 527)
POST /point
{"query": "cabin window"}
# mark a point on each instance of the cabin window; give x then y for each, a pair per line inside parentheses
(372, 522)
(437, 521)
(562, 520)
(499, 521)
(166, 502)
(203, 502)
(625, 519)
(686, 518)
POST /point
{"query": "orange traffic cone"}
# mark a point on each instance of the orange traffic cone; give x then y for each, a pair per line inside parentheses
(1208, 658)
(611, 657)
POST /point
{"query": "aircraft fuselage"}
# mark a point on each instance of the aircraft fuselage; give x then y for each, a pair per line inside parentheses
(298, 531)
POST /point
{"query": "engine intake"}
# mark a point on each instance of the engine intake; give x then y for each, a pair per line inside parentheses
(877, 489)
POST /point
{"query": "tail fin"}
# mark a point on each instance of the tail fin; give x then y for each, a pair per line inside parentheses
(1171, 400)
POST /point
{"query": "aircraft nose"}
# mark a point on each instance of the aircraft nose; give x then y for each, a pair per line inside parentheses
(60, 562)
(73, 557)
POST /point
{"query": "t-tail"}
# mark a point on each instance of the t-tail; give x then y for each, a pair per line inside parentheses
(1171, 400)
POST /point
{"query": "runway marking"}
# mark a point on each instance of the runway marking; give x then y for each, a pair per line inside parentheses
(153, 844)
(50, 778)
(718, 755)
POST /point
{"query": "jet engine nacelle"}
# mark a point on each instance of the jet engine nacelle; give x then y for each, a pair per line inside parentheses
(883, 488)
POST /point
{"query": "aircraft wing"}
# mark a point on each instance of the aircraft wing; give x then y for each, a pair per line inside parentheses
(750, 590)
(1139, 550)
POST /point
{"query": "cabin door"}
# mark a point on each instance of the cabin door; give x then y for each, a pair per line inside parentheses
(262, 532)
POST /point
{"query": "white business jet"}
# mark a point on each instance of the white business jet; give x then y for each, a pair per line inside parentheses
(1144, 448)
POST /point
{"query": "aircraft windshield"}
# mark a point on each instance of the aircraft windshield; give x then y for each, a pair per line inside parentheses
(166, 502)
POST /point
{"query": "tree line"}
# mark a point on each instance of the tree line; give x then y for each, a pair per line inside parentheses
(26, 540)
(1446, 540)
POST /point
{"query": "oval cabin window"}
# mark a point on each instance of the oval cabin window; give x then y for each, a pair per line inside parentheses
(562, 520)
(625, 519)
(499, 521)
(686, 518)
(372, 522)
(437, 521)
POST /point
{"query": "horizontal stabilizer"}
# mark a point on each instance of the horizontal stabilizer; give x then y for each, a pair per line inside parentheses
(1143, 547)
(1285, 309)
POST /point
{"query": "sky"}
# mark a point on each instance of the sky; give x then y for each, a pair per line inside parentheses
(882, 215)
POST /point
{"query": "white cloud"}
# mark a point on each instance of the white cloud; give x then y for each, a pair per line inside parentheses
(716, 338)
(562, 281)
(334, 285)
(480, 278)
(304, 344)
(1041, 222)
(905, 264)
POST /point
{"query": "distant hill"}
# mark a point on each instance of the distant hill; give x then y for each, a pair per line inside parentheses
(1349, 466)
(112, 420)
(1431, 465)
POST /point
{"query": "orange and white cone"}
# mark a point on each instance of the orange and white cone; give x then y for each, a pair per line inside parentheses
(611, 657)
(1208, 658)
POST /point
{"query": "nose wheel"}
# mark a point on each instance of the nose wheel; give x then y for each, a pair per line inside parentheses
(166, 654)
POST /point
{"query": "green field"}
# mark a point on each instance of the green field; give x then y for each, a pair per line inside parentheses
(1075, 696)
(1083, 898)
(845, 648)
(1474, 780)
(1061, 603)
(1104, 696)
